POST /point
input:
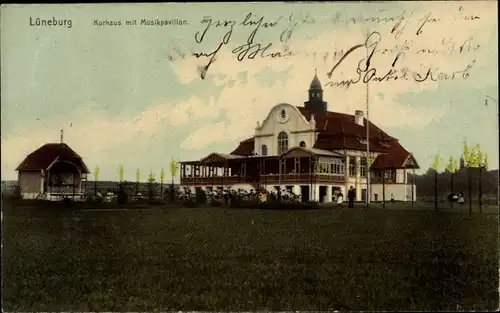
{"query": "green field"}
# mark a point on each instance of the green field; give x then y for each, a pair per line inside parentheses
(240, 259)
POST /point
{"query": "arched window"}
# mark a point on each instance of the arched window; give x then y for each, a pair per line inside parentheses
(263, 150)
(282, 142)
(302, 144)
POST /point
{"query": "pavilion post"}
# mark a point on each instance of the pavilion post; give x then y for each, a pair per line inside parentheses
(383, 188)
(74, 187)
(413, 187)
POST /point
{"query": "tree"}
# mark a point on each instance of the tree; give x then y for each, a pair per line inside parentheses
(96, 178)
(471, 159)
(481, 162)
(151, 185)
(451, 168)
(137, 180)
(122, 194)
(174, 166)
(435, 167)
(162, 178)
(121, 174)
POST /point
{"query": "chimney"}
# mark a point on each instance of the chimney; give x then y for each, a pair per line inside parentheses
(359, 117)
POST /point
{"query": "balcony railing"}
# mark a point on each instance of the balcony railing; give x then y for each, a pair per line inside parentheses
(264, 179)
(378, 180)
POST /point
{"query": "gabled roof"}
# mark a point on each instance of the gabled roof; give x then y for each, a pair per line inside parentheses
(394, 161)
(47, 154)
(217, 157)
(339, 131)
(246, 147)
(312, 151)
(336, 123)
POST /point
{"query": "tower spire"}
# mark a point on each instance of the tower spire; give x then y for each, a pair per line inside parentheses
(62, 135)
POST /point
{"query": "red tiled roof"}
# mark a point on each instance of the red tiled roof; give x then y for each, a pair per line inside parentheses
(46, 154)
(334, 122)
(338, 131)
(389, 161)
(246, 147)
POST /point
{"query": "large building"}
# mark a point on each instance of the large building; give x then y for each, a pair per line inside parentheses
(52, 171)
(312, 152)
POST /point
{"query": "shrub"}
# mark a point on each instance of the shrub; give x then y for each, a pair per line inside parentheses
(122, 197)
(17, 194)
(67, 202)
(200, 196)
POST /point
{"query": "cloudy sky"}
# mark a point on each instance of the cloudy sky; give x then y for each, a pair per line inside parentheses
(133, 95)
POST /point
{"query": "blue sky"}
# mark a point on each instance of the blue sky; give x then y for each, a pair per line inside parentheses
(128, 103)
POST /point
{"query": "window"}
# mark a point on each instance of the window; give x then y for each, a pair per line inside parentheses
(363, 194)
(282, 142)
(363, 167)
(302, 144)
(352, 166)
(390, 174)
(338, 167)
(264, 150)
(283, 114)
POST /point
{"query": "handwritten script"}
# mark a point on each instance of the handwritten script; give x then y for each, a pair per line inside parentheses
(401, 37)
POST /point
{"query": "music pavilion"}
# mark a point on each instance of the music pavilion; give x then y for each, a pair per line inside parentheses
(311, 152)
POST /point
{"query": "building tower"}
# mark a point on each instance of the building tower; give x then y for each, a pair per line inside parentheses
(315, 102)
(462, 162)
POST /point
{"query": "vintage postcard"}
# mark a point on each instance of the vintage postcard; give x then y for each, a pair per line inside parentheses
(250, 156)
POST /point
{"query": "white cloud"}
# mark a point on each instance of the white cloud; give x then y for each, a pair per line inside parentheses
(98, 133)
(246, 103)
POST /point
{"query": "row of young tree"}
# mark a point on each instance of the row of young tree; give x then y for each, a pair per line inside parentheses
(452, 179)
(126, 187)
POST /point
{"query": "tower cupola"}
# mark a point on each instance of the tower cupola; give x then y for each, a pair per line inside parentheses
(315, 102)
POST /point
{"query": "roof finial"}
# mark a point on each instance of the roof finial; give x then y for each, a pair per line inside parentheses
(62, 135)
(315, 71)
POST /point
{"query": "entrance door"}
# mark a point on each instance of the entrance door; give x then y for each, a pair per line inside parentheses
(322, 193)
(304, 193)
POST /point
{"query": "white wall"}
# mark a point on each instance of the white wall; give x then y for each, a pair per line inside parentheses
(400, 176)
(30, 182)
(273, 125)
(401, 192)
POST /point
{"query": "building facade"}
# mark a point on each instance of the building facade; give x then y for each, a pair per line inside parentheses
(313, 153)
(52, 172)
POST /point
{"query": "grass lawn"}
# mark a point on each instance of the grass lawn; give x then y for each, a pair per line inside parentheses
(239, 259)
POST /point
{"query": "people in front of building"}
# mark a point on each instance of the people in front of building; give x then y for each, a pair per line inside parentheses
(340, 198)
(351, 195)
(461, 199)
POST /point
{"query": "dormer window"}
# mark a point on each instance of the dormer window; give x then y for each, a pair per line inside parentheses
(384, 143)
(362, 140)
(302, 144)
